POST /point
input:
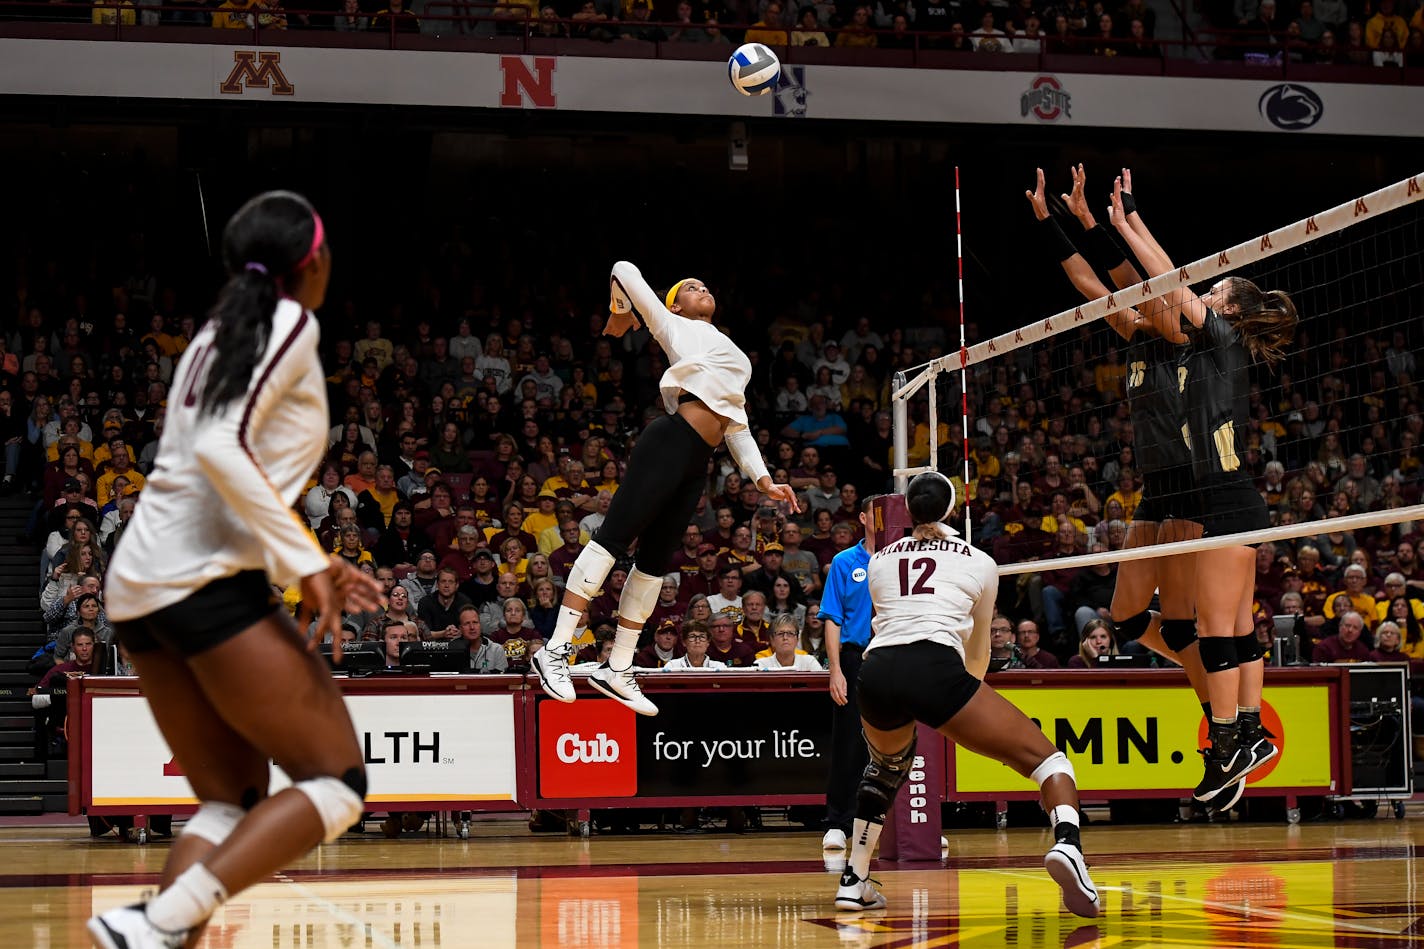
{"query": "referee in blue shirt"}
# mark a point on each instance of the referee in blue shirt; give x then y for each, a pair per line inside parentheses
(845, 608)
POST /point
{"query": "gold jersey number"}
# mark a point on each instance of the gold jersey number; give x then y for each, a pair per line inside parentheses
(1225, 439)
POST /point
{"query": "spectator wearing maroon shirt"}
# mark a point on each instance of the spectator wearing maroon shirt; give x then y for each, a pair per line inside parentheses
(1407, 563)
(1268, 576)
(1047, 594)
(725, 646)
(684, 559)
(820, 543)
(1314, 586)
(704, 581)
(437, 505)
(665, 647)
(443, 530)
(513, 527)
(849, 511)
(1053, 479)
(1346, 645)
(561, 559)
(1030, 654)
(668, 608)
(605, 605)
(462, 559)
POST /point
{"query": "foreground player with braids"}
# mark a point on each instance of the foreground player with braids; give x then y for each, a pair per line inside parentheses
(1233, 325)
(933, 595)
(704, 392)
(231, 680)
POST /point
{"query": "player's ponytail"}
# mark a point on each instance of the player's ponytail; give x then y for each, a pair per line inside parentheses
(1266, 320)
(265, 242)
(929, 498)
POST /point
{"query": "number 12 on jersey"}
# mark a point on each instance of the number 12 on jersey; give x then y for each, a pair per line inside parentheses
(925, 566)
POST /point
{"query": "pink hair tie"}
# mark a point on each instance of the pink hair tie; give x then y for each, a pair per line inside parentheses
(257, 267)
(318, 236)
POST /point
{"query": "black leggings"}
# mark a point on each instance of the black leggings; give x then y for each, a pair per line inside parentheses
(667, 474)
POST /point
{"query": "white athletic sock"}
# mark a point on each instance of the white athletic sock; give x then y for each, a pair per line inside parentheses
(625, 646)
(192, 898)
(864, 835)
(1063, 814)
(565, 627)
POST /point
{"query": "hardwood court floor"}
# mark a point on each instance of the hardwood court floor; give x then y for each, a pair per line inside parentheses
(1353, 884)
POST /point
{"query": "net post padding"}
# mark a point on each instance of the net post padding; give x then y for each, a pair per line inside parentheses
(1286, 532)
(1338, 218)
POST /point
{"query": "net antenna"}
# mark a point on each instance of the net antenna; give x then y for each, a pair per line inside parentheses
(900, 417)
(1366, 208)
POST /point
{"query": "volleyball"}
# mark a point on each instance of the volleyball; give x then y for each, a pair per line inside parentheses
(753, 69)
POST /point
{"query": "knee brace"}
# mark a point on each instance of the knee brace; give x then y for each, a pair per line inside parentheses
(339, 801)
(1178, 634)
(1248, 648)
(640, 595)
(590, 569)
(214, 821)
(1056, 763)
(1132, 627)
(882, 779)
(1218, 653)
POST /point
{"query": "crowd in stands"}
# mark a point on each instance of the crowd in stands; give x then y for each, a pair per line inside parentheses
(471, 458)
(1357, 32)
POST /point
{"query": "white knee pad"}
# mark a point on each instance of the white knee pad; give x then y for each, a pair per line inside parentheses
(337, 803)
(590, 569)
(214, 822)
(639, 597)
(1056, 763)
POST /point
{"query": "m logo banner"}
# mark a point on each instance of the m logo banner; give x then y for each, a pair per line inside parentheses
(256, 70)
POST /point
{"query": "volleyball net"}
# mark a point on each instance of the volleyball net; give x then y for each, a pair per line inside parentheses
(1034, 428)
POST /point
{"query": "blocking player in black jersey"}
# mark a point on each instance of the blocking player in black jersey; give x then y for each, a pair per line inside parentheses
(1170, 503)
(1232, 326)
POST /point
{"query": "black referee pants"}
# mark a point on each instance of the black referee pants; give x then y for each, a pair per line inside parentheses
(848, 753)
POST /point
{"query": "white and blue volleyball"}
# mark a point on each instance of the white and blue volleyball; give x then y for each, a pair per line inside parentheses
(753, 69)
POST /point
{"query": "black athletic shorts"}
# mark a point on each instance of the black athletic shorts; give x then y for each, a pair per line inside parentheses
(208, 617)
(1233, 507)
(1168, 494)
(917, 682)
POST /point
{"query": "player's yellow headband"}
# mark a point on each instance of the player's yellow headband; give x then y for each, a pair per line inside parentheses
(671, 297)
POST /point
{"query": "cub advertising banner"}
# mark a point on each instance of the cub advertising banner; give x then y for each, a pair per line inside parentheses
(700, 744)
(1145, 738)
(416, 748)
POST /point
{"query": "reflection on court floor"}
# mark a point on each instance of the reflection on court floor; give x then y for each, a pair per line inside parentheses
(1269, 888)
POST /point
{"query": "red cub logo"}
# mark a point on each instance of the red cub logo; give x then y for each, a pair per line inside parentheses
(587, 750)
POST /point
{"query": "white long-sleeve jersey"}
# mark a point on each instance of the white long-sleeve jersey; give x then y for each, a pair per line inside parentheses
(702, 361)
(940, 590)
(220, 497)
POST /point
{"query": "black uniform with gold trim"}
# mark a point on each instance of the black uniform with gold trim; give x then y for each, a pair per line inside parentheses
(1218, 390)
(1156, 377)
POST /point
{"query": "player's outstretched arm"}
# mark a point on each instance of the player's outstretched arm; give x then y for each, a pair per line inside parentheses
(1080, 272)
(1164, 312)
(1134, 219)
(1123, 274)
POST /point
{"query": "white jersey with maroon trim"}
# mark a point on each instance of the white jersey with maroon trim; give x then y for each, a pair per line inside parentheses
(220, 497)
(702, 361)
(931, 590)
